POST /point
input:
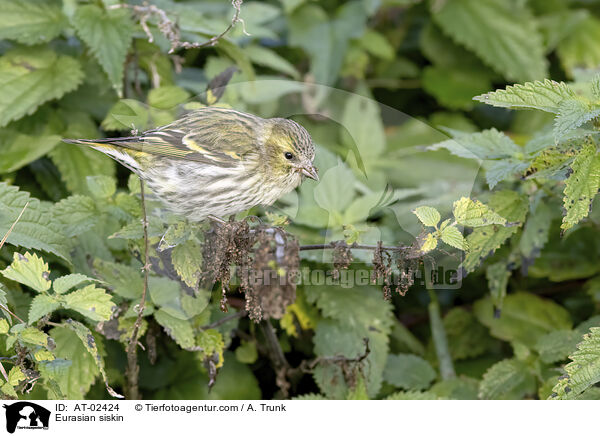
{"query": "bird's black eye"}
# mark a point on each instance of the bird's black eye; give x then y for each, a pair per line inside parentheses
(288, 155)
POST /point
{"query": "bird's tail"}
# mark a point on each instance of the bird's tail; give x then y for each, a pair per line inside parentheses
(120, 149)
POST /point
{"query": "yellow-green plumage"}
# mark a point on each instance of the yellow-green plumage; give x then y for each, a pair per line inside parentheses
(216, 161)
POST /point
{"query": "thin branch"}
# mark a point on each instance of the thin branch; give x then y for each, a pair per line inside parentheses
(332, 245)
(13, 226)
(132, 367)
(2, 306)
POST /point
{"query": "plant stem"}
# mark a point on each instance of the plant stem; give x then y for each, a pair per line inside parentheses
(440, 340)
(132, 367)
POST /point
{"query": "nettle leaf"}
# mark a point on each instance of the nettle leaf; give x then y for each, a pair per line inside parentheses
(429, 216)
(167, 97)
(584, 369)
(19, 149)
(429, 243)
(75, 163)
(503, 34)
(452, 236)
(268, 58)
(497, 275)
(77, 213)
(65, 283)
(108, 33)
(31, 21)
(582, 186)
(101, 186)
(509, 379)
(483, 240)
(180, 330)
(571, 115)
(32, 76)
(92, 302)
(408, 372)
(123, 280)
(557, 345)
(544, 95)
(454, 87)
(466, 336)
(488, 144)
(536, 230)
(29, 270)
(33, 336)
(473, 213)
(524, 318)
(211, 343)
(41, 306)
(187, 260)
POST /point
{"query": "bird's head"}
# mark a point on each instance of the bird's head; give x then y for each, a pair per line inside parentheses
(290, 152)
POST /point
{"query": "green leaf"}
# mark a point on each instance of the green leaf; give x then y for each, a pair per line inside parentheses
(33, 336)
(509, 379)
(178, 329)
(467, 337)
(582, 186)
(413, 395)
(579, 49)
(584, 369)
(31, 21)
(41, 306)
(483, 240)
(430, 243)
(187, 261)
(108, 33)
(126, 114)
(488, 144)
(462, 388)
(546, 96)
(77, 213)
(452, 236)
(19, 149)
(524, 318)
(535, 232)
(408, 372)
(473, 213)
(167, 97)
(15, 376)
(497, 275)
(246, 352)
(101, 187)
(32, 76)
(29, 270)
(429, 216)
(571, 115)
(362, 120)
(503, 34)
(92, 302)
(76, 163)
(454, 88)
(64, 283)
(3, 326)
(268, 58)
(557, 345)
(211, 343)
(123, 280)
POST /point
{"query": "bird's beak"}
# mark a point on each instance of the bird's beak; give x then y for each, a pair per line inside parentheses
(311, 172)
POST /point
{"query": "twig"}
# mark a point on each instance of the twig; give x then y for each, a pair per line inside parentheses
(13, 226)
(225, 319)
(332, 245)
(132, 367)
(9, 311)
(170, 29)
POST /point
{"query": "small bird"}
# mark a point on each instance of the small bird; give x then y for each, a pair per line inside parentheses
(216, 161)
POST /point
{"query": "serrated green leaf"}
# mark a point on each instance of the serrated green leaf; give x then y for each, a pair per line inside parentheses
(92, 302)
(19, 149)
(126, 114)
(462, 388)
(76, 163)
(33, 336)
(524, 318)
(483, 240)
(187, 261)
(64, 283)
(452, 236)
(473, 213)
(454, 88)
(123, 280)
(178, 329)
(408, 372)
(430, 243)
(77, 213)
(557, 345)
(546, 96)
(29, 270)
(488, 144)
(211, 343)
(32, 76)
(582, 186)
(467, 337)
(509, 379)
(429, 216)
(584, 369)
(31, 21)
(535, 232)
(268, 58)
(41, 306)
(3, 326)
(15, 376)
(101, 186)
(108, 33)
(503, 34)
(571, 115)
